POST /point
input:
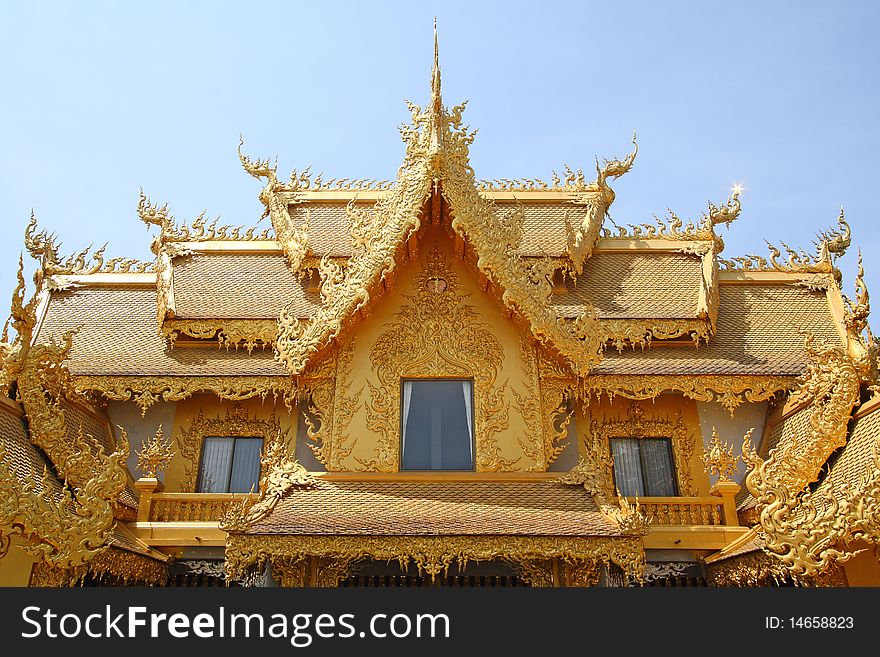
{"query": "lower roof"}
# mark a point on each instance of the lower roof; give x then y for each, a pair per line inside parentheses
(440, 508)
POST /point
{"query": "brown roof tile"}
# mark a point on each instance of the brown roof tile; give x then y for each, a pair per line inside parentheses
(757, 333)
(856, 460)
(238, 286)
(635, 285)
(25, 461)
(118, 336)
(543, 227)
(756, 543)
(544, 508)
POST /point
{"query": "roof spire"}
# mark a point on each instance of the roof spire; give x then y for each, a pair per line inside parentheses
(436, 100)
(435, 113)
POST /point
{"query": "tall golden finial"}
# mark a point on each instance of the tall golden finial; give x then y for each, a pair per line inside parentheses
(436, 99)
(435, 114)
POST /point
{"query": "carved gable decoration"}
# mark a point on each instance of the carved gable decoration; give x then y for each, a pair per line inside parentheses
(437, 335)
(437, 164)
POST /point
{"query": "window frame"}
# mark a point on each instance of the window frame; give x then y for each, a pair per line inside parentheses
(200, 471)
(473, 421)
(670, 452)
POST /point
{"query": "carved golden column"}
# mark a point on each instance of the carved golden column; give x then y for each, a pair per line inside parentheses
(727, 491)
(146, 487)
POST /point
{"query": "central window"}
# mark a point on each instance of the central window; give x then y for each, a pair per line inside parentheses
(643, 467)
(437, 424)
(230, 465)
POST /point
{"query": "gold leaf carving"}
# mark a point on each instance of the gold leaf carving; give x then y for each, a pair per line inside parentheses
(832, 243)
(147, 390)
(639, 332)
(808, 531)
(433, 554)
(437, 146)
(729, 391)
(155, 455)
(64, 526)
(247, 333)
(437, 335)
(597, 443)
(718, 458)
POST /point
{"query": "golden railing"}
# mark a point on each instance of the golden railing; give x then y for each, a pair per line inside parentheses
(677, 511)
(714, 510)
(192, 507)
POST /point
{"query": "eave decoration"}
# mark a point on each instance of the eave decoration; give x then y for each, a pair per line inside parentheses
(68, 518)
(810, 528)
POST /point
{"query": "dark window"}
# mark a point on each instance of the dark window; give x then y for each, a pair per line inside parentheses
(230, 465)
(437, 424)
(644, 467)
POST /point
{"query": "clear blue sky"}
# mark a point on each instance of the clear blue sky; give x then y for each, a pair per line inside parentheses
(102, 98)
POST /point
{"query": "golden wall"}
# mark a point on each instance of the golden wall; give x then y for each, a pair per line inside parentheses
(668, 415)
(436, 321)
(205, 415)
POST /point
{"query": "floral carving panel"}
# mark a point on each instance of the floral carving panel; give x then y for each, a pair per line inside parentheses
(437, 334)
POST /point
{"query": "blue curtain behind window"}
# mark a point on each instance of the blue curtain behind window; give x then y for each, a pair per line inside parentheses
(627, 467)
(437, 425)
(215, 465)
(246, 465)
(657, 467)
(230, 465)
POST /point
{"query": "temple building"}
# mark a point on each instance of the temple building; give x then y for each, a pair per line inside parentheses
(439, 381)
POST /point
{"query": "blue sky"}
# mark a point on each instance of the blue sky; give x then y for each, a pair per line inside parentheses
(102, 98)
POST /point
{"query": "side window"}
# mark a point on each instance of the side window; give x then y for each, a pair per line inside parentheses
(644, 467)
(229, 465)
(437, 424)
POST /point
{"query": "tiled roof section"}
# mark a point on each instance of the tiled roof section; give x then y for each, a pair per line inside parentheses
(795, 425)
(757, 333)
(77, 417)
(756, 543)
(238, 286)
(23, 459)
(856, 459)
(633, 284)
(329, 232)
(543, 227)
(402, 508)
(118, 336)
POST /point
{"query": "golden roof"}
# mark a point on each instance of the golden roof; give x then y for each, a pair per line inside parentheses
(436, 508)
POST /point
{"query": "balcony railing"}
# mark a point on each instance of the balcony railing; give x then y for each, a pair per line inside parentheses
(715, 510)
(677, 511)
(192, 507)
